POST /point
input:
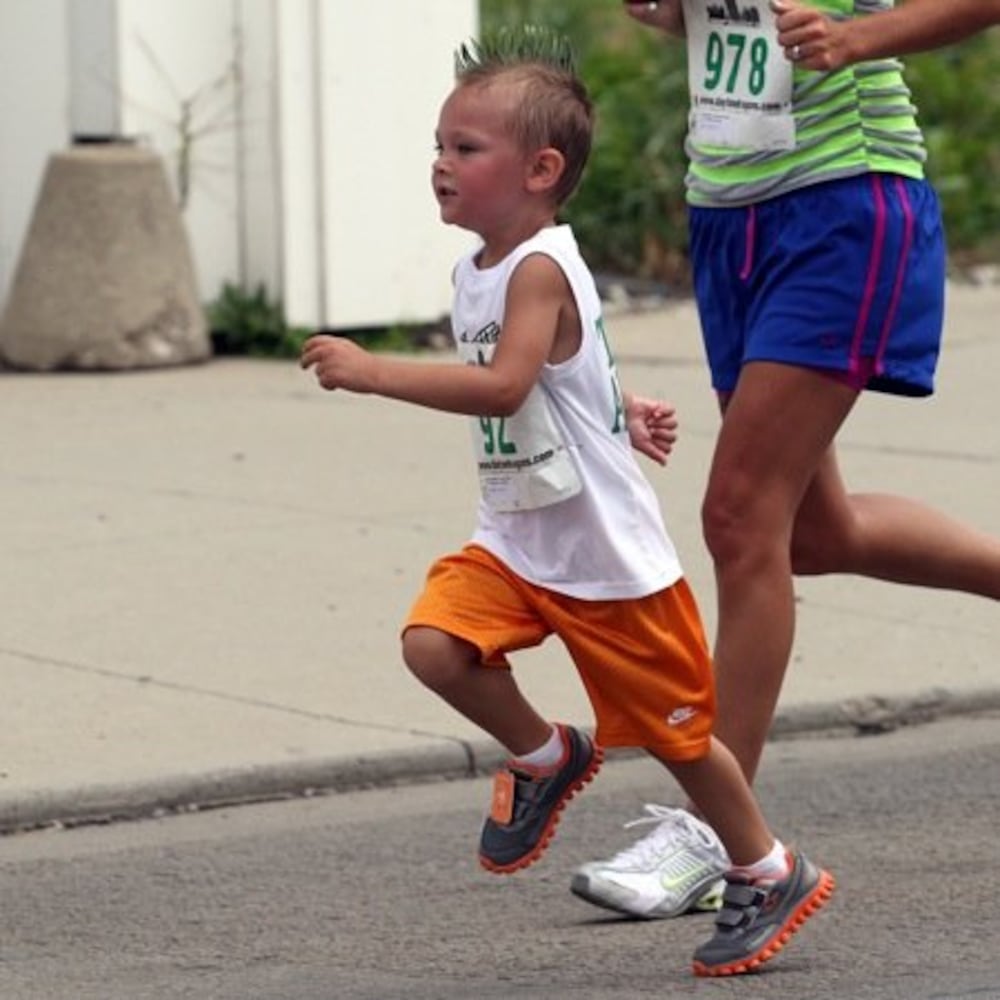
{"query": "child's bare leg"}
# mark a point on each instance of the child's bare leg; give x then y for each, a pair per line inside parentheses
(486, 696)
(529, 792)
(771, 891)
(716, 786)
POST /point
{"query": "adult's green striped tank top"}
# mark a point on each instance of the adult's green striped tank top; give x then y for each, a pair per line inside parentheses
(856, 120)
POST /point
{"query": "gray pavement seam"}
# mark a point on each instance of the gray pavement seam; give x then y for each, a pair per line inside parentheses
(152, 681)
(445, 761)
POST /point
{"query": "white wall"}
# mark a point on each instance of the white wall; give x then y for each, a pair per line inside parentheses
(178, 60)
(33, 112)
(359, 88)
(308, 142)
(94, 68)
(381, 93)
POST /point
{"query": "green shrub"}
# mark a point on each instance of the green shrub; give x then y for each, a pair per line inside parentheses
(251, 322)
(958, 93)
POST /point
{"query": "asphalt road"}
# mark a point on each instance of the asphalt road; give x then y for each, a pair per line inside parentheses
(376, 895)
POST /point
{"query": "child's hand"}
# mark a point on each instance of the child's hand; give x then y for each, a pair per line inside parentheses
(810, 38)
(652, 427)
(339, 363)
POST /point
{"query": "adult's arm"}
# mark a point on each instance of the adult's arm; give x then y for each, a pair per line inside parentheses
(816, 41)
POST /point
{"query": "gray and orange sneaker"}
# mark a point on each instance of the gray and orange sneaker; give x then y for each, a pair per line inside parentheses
(758, 918)
(527, 802)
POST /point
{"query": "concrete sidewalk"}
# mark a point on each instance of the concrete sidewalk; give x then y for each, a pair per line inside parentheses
(205, 569)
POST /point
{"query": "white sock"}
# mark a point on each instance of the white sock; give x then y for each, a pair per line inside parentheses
(770, 868)
(547, 755)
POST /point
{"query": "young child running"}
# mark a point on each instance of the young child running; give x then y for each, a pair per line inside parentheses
(569, 539)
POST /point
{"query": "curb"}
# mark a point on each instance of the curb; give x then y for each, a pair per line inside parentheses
(451, 760)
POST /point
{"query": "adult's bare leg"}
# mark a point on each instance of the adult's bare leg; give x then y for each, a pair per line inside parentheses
(777, 426)
(890, 538)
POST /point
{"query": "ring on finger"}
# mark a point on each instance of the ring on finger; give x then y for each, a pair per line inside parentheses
(796, 53)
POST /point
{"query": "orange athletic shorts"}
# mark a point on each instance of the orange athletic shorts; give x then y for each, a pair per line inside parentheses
(643, 661)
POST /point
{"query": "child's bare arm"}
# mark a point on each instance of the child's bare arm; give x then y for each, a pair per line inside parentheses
(339, 363)
(535, 296)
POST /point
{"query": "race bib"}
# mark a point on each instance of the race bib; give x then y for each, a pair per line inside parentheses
(739, 78)
(523, 461)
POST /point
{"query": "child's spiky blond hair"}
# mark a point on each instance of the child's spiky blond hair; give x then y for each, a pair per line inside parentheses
(531, 43)
(553, 109)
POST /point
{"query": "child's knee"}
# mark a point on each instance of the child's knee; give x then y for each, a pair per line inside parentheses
(432, 656)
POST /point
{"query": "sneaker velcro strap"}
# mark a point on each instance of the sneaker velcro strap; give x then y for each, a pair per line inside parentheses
(739, 904)
(729, 918)
(741, 895)
(502, 806)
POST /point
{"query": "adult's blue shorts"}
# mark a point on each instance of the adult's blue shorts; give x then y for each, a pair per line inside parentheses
(846, 276)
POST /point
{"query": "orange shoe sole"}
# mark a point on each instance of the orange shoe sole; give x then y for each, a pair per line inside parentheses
(814, 902)
(550, 828)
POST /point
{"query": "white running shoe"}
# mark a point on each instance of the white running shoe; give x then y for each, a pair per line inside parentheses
(676, 868)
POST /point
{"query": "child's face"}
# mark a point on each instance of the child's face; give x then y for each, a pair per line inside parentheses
(480, 171)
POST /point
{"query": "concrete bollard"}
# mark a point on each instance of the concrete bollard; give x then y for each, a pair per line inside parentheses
(105, 280)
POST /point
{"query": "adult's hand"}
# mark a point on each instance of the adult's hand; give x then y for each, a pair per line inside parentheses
(810, 38)
(667, 15)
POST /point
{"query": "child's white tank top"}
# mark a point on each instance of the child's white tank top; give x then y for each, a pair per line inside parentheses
(564, 503)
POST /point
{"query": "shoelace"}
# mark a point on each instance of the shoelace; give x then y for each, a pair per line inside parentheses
(673, 827)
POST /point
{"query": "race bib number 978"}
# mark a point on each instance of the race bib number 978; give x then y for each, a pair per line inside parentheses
(739, 78)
